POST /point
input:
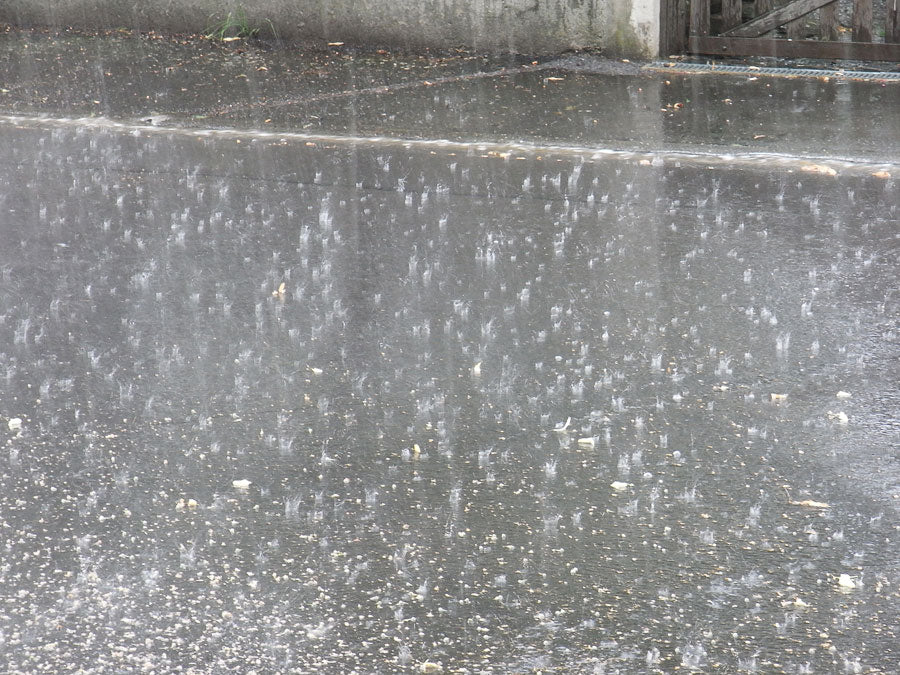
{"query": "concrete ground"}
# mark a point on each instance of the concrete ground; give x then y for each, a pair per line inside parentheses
(327, 361)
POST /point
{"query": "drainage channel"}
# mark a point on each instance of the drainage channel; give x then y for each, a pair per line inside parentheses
(690, 68)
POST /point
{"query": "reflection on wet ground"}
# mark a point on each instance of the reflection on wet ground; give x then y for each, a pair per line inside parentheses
(282, 405)
(577, 100)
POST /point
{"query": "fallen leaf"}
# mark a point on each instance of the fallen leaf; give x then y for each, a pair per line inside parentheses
(818, 168)
(811, 504)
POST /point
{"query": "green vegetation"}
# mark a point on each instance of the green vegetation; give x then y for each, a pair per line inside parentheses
(235, 26)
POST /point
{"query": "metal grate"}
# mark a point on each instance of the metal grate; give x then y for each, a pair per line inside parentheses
(686, 68)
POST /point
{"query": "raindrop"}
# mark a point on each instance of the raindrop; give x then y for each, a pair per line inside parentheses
(550, 468)
(693, 656)
(551, 524)
(292, 506)
(484, 457)
(783, 342)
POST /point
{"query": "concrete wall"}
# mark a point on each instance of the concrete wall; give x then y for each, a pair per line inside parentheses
(617, 27)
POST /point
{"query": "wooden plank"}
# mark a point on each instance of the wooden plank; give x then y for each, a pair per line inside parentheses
(760, 7)
(731, 14)
(892, 22)
(828, 22)
(699, 17)
(673, 28)
(862, 20)
(811, 49)
(793, 29)
(776, 17)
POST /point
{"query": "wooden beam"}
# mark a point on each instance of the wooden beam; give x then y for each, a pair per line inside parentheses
(760, 7)
(731, 14)
(793, 29)
(776, 17)
(810, 49)
(892, 21)
(699, 17)
(862, 20)
(828, 22)
(673, 28)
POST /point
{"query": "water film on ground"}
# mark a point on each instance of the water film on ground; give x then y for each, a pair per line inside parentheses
(274, 404)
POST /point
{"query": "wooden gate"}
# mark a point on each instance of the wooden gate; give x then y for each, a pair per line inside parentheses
(760, 28)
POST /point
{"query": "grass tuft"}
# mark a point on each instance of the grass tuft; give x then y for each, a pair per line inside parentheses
(235, 26)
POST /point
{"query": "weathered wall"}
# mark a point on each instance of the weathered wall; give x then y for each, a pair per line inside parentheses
(618, 27)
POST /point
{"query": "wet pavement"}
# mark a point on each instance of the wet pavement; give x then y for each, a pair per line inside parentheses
(576, 100)
(431, 372)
